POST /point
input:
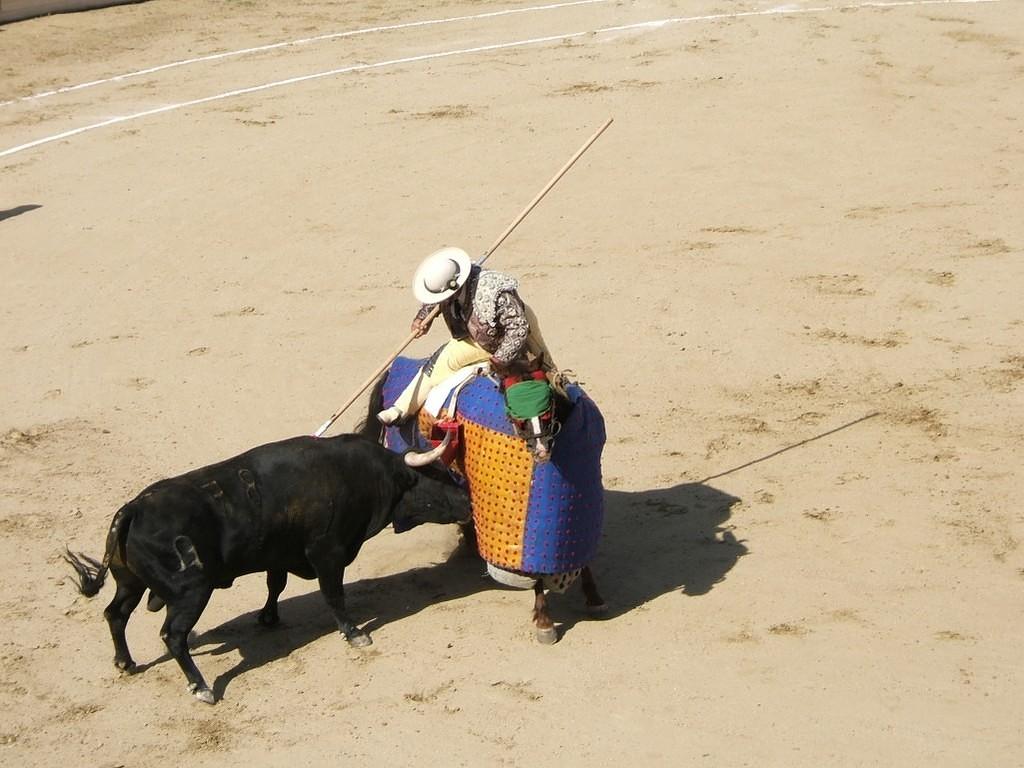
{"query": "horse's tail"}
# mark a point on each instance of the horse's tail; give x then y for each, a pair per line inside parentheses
(91, 573)
(369, 426)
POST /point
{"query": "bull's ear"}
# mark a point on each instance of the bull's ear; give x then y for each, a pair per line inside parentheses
(406, 481)
(412, 477)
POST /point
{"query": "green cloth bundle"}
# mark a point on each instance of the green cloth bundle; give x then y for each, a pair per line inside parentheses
(528, 399)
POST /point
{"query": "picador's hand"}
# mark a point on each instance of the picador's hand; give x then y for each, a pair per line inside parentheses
(419, 327)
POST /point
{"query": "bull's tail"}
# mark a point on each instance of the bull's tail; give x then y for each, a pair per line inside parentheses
(91, 573)
(370, 427)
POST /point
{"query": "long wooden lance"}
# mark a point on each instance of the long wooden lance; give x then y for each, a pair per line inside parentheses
(486, 255)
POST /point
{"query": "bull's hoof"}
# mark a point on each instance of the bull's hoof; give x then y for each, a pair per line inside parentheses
(547, 635)
(359, 641)
(268, 619)
(202, 693)
(125, 665)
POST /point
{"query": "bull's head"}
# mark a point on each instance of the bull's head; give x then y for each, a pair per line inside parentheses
(432, 497)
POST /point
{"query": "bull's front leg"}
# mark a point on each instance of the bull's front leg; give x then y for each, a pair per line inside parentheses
(276, 581)
(334, 593)
(330, 574)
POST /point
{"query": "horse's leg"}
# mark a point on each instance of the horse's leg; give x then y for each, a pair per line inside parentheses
(596, 605)
(546, 632)
(275, 586)
(467, 541)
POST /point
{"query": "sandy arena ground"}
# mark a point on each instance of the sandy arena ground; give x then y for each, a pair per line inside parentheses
(790, 273)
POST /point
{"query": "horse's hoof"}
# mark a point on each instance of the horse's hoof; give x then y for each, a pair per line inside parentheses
(204, 694)
(547, 635)
(127, 666)
(360, 641)
(601, 609)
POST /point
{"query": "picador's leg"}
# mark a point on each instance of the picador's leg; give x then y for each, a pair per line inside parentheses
(276, 581)
(129, 593)
(182, 614)
(546, 632)
(595, 603)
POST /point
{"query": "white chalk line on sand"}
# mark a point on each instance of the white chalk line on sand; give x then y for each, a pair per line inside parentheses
(297, 42)
(644, 25)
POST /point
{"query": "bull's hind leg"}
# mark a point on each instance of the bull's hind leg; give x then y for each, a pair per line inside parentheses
(126, 598)
(546, 632)
(276, 581)
(596, 605)
(182, 614)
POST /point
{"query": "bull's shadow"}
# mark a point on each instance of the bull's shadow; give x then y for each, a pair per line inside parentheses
(655, 542)
(372, 602)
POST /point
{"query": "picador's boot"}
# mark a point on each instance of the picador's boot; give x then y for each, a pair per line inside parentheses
(390, 416)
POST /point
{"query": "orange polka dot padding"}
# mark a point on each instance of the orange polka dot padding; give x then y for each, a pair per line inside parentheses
(532, 518)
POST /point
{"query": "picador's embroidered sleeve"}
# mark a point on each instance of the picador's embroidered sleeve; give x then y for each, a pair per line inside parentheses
(424, 311)
(511, 317)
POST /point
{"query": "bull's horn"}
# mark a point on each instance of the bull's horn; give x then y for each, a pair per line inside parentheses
(414, 459)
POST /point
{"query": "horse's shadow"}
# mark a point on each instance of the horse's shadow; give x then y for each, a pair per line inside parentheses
(655, 542)
(676, 538)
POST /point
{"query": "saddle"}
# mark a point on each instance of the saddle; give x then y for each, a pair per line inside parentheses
(529, 403)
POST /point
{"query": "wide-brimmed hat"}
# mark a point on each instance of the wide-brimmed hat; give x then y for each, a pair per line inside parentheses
(441, 275)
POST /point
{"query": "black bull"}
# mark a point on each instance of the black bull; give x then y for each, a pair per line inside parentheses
(303, 506)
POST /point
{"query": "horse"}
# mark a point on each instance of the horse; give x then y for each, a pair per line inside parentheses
(534, 483)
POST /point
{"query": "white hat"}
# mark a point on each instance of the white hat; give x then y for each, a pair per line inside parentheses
(441, 274)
